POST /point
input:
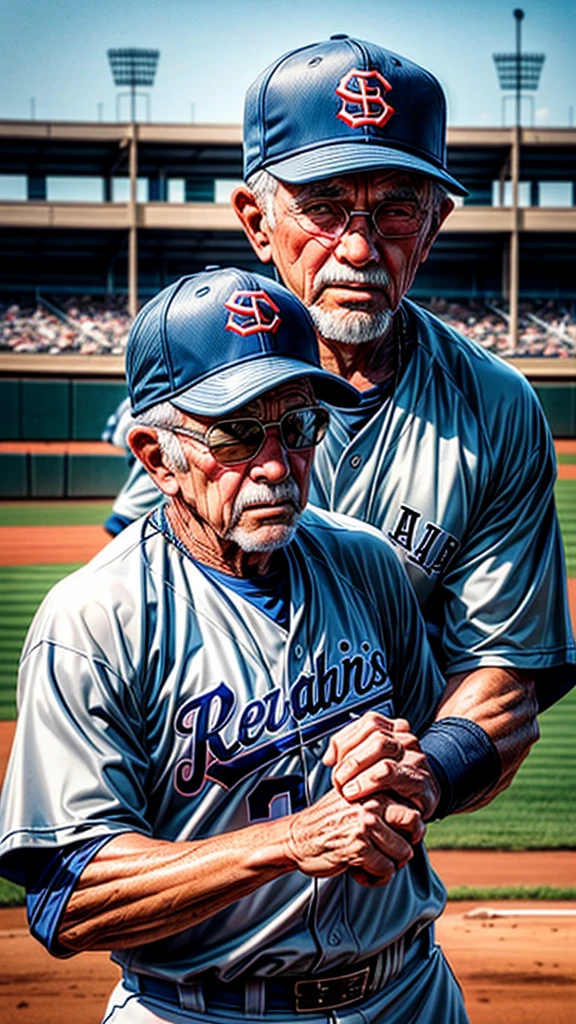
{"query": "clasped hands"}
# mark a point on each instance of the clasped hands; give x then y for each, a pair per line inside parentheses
(374, 815)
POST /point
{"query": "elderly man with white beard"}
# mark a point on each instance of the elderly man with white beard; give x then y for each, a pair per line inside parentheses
(448, 453)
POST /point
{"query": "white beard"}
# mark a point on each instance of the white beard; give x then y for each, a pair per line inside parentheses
(254, 494)
(248, 541)
(350, 326)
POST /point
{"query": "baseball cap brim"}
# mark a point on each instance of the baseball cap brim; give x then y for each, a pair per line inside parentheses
(226, 390)
(335, 158)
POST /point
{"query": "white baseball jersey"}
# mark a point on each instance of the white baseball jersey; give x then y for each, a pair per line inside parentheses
(457, 470)
(154, 699)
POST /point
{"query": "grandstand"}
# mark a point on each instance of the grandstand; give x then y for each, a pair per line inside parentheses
(67, 281)
(53, 242)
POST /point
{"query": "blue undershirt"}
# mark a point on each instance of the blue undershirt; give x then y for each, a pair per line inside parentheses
(269, 593)
(370, 401)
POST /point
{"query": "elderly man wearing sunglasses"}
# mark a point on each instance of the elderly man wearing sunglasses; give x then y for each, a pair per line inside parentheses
(215, 773)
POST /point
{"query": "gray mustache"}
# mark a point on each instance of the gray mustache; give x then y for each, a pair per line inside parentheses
(333, 273)
(258, 494)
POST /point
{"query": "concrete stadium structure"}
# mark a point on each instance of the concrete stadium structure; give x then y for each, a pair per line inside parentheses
(61, 245)
(156, 207)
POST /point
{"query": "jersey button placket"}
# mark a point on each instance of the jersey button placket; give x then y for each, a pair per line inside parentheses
(355, 461)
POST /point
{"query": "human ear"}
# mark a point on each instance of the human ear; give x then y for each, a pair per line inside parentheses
(144, 444)
(253, 221)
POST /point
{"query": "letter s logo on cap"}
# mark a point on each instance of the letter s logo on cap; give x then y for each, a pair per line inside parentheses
(251, 312)
(363, 95)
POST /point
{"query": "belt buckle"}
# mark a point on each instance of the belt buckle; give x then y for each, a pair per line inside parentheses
(330, 993)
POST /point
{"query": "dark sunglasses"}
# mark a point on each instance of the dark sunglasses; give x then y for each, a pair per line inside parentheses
(239, 440)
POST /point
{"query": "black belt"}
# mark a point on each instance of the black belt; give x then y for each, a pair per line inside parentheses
(296, 993)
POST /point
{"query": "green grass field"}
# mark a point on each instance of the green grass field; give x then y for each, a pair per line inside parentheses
(539, 809)
(566, 505)
(22, 587)
(54, 513)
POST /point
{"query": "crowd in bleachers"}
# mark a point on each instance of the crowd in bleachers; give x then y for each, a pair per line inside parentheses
(86, 325)
(545, 328)
(98, 326)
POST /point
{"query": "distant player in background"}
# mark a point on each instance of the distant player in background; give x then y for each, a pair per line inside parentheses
(210, 773)
(139, 494)
(448, 454)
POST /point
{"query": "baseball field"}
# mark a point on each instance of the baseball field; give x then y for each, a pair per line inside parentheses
(515, 858)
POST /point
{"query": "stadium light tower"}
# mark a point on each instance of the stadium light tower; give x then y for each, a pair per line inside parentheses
(518, 73)
(134, 68)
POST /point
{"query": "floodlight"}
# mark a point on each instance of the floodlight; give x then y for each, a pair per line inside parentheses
(133, 67)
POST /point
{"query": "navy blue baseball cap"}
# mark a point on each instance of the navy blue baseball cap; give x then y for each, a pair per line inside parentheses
(344, 106)
(212, 341)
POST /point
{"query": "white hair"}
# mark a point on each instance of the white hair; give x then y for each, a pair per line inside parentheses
(264, 186)
(161, 415)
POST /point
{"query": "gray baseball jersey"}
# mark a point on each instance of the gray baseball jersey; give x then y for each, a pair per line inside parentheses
(139, 493)
(457, 470)
(154, 699)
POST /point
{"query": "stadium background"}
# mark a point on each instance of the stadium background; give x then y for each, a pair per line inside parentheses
(63, 316)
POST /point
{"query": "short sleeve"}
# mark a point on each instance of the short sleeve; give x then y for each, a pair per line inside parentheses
(78, 765)
(505, 595)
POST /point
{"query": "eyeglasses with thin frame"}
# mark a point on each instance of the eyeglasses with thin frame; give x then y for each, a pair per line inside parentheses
(389, 219)
(240, 439)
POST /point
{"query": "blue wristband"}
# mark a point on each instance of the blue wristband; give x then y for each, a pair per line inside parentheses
(464, 760)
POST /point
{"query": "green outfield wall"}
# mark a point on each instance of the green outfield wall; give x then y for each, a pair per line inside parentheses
(57, 408)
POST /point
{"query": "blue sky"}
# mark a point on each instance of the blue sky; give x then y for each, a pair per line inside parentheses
(54, 52)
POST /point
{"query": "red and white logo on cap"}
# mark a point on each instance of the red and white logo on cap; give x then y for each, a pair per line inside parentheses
(252, 312)
(363, 95)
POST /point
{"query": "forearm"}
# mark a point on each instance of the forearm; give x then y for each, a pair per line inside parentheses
(138, 890)
(502, 702)
(456, 765)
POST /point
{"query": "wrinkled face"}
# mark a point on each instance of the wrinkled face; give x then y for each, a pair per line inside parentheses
(353, 284)
(256, 504)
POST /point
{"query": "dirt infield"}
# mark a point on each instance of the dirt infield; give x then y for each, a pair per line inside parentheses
(60, 448)
(50, 545)
(567, 446)
(514, 970)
